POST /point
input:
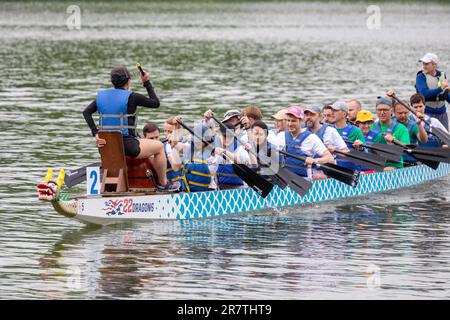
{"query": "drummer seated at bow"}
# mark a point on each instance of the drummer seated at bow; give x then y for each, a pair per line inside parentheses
(174, 169)
(228, 152)
(418, 103)
(117, 108)
(301, 142)
(389, 129)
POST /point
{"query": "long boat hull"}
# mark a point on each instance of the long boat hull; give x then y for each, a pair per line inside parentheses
(116, 209)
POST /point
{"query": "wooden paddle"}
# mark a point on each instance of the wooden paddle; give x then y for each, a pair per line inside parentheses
(282, 176)
(254, 181)
(346, 175)
(441, 134)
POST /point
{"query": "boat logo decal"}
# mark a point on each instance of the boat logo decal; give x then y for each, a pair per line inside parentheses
(121, 207)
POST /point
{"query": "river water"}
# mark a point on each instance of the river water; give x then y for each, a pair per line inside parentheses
(218, 55)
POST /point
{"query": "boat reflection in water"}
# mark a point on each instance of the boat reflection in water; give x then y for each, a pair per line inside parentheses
(363, 250)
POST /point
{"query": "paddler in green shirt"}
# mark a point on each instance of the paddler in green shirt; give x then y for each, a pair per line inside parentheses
(417, 132)
(389, 128)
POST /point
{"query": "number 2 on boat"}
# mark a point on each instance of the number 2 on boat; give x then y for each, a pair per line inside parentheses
(93, 181)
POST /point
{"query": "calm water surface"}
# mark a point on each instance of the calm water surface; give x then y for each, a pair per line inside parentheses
(219, 55)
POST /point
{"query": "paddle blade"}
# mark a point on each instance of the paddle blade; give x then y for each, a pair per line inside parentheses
(363, 159)
(297, 183)
(435, 154)
(441, 134)
(342, 174)
(430, 154)
(432, 164)
(279, 181)
(388, 151)
(254, 181)
(74, 177)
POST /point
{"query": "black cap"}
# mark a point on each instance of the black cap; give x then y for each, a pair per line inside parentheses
(120, 76)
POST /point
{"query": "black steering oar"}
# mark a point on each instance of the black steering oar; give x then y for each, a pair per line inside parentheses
(283, 176)
(254, 181)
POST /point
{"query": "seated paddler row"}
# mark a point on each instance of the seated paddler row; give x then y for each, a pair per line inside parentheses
(320, 134)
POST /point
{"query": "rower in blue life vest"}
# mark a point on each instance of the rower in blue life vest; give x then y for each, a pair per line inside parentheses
(299, 141)
(118, 108)
(197, 158)
(326, 133)
(266, 155)
(349, 132)
(415, 127)
(364, 121)
(433, 85)
(418, 103)
(174, 169)
(228, 152)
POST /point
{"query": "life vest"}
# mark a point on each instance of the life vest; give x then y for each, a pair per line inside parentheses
(225, 172)
(409, 126)
(390, 130)
(260, 154)
(321, 132)
(196, 172)
(293, 146)
(346, 132)
(174, 175)
(371, 135)
(112, 105)
(434, 82)
(433, 141)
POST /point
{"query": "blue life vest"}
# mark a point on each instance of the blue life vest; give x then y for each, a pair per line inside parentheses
(293, 146)
(371, 135)
(197, 174)
(409, 126)
(225, 172)
(433, 141)
(321, 132)
(260, 153)
(390, 130)
(174, 175)
(346, 132)
(112, 105)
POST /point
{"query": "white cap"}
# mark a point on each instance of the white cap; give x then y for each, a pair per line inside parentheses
(430, 57)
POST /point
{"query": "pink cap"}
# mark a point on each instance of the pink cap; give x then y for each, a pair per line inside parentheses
(295, 111)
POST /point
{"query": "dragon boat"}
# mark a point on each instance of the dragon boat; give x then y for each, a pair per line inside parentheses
(104, 209)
